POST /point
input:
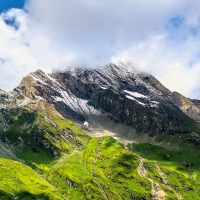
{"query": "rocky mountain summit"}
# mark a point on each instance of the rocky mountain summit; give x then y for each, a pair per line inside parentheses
(112, 93)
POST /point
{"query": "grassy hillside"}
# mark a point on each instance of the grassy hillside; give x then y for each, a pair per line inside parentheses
(20, 181)
(180, 168)
(40, 136)
(103, 170)
(59, 160)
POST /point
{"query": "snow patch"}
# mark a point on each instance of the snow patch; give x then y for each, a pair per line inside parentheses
(39, 98)
(37, 79)
(154, 104)
(78, 105)
(86, 124)
(56, 98)
(130, 97)
(53, 79)
(135, 94)
(104, 88)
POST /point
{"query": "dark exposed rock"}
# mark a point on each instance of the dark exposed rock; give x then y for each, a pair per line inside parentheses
(133, 197)
(70, 183)
(166, 156)
(187, 164)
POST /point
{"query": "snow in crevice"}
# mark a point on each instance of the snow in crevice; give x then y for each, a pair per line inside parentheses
(53, 80)
(36, 79)
(104, 88)
(39, 98)
(78, 105)
(148, 101)
(46, 80)
(154, 104)
(132, 98)
(56, 98)
(135, 94)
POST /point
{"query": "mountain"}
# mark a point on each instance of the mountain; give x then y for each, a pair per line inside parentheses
(103, 133)
(113, 95)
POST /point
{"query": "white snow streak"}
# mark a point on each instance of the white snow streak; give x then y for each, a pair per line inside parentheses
(130, 97)
(135, 94)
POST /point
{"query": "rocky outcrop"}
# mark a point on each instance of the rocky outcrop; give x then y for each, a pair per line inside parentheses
(123, 110)
(188, 106)
(156, 84)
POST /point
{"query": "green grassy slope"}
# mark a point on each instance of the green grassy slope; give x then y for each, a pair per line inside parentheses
(62, 161)
(103, 170)
(20, 181)
(39, 136)
(181, 168)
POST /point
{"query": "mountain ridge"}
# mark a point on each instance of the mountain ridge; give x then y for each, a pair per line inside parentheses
(87, 84)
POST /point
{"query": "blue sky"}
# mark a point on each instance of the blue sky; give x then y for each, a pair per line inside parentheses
(7, 4)
(157, 37)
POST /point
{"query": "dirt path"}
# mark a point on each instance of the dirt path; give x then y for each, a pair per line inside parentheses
(166, 183)
(157, 192)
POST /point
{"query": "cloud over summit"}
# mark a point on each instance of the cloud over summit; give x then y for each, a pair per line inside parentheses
(158, 37)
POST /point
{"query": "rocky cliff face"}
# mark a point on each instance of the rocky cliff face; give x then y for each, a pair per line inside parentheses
(190, 107)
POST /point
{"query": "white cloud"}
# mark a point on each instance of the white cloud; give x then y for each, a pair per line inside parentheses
(171, 65)
(50, 34)
(24, 50)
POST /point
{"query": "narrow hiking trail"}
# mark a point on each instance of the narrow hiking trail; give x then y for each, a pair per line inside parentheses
(166, 183)
(157, 192)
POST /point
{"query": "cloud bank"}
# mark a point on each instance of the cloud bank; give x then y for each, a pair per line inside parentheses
(159, 37)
